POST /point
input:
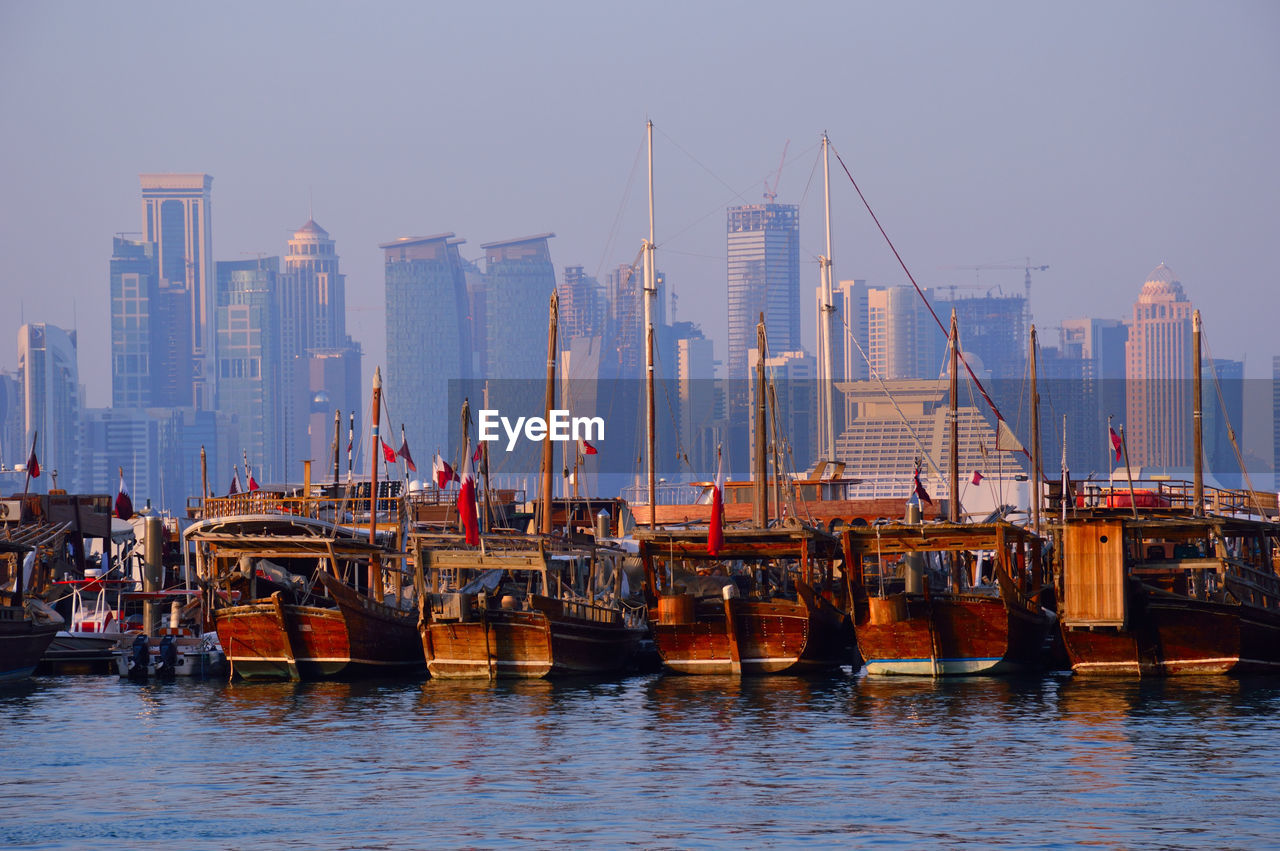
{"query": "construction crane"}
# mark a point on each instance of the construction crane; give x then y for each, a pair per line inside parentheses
(771, 192)
(1027, 269)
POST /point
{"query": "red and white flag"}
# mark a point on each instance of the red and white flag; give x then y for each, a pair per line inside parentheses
(715, 532)
(253, 483)
(587, 448)
(467, 500)
(1115, 441)
(475, 456)
(124, 505)
(388, 454)
(442, 472)
(235, 482)
(403, 452)
(978, 477)
(33, 465)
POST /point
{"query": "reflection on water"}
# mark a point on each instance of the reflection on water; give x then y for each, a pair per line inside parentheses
(653, 761)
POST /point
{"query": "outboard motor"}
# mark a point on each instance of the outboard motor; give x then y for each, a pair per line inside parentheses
(139, 658)
(167, 661)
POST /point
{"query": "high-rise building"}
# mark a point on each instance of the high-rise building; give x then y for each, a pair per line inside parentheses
(583, 307)
(625, 331)
(151, 353)
(176, 217)
(51, 402)
(1088, 385)
(1158, 374)
(794, 377)
(764, 277)
(993, 327)
(428, 335)
(11, 421)
(519, 280)
(249, 363)
(1222, 407)
(903, 341)
(312, 311)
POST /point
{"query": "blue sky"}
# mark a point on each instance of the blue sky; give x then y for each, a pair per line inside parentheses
(1097, 138)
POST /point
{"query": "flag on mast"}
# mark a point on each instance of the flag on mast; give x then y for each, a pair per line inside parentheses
(442, 472)
(124, 505)
(235, 481)
(919, 488)
(1115, 441)
(403, 452)
(467, 499)
(715, 532)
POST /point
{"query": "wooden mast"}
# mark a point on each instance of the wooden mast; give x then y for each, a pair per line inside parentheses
(1035, 438)
(550, 401)
(953, 468)
(826, 316)
(1197, 417)
(759, 477)
(650, 289)
(375, 450)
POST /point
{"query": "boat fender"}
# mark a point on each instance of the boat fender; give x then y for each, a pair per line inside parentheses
(167, 660)
(139, 657)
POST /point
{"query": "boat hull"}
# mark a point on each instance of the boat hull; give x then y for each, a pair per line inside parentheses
(22, 643)
(1168, 635)
(754, 637)
(550, 639)
(276, 640)
(950, 635)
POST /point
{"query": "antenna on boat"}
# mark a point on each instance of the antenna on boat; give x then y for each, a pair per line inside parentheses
(953, 413)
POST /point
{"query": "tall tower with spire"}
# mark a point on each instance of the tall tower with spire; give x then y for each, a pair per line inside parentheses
(321, 362)
(1158, 387)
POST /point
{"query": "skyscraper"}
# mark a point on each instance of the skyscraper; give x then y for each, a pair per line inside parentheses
(764, 277)
(176, 217)
(312, 311)
(51, 401)
(902, 341)
(519, 280)
(582, 306)
(1158, 374)
(428, 338)
(249, 364)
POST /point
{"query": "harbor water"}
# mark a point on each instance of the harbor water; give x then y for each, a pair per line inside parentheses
(655, 761)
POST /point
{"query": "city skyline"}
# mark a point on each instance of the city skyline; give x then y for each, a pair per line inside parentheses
(1000, 134)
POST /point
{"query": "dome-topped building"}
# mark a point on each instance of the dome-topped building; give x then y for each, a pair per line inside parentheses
(1157, 373)
(1161, 285)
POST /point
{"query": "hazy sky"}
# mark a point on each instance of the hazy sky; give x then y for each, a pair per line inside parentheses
(1099, 138)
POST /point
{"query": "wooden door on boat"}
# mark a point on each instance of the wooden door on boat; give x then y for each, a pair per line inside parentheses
(1093, 574)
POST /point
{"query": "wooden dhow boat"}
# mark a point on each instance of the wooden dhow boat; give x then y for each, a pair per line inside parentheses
(761, 605)
(318, 597)
(944, 599)
(517, 610)
(1161, 581)
(27, 626)
(514, 606)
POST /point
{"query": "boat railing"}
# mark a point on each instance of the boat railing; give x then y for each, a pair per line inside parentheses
(664, 494)
(344, 509)
(1167, 494)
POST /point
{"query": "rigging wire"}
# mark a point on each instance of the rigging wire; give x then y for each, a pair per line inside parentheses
(920, 292)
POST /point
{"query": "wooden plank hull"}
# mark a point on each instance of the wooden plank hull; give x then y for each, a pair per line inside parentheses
(1170, 636)
(753, 637)
(269, 641)
(952, 635)
(546, 641)
(380, 639)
